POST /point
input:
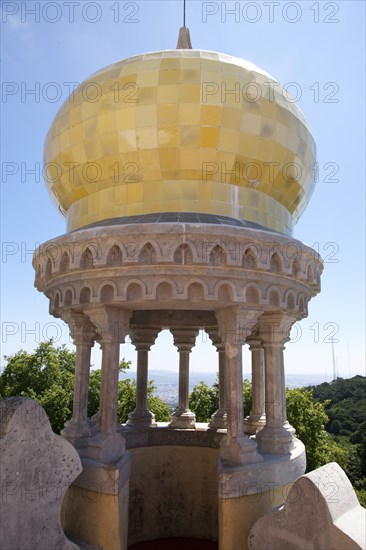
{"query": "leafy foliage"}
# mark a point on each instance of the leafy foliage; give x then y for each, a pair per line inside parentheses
(204, 400)
(309, 418)
(346, 410)
(47, 376)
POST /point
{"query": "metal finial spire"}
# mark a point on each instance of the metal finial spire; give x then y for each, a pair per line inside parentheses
(184, 39)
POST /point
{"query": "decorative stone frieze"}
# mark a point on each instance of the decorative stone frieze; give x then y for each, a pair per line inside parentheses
(139, 265)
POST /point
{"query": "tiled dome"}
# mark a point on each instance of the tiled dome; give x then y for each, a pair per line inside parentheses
(181, 131)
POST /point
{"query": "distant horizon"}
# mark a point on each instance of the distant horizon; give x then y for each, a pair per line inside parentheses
(246, 374)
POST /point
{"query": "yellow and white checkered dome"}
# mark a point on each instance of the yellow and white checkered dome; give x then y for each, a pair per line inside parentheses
(181, 131)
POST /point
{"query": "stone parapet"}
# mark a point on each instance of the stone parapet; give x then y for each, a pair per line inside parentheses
(140, 265)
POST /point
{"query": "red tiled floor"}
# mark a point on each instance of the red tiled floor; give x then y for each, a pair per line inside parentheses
(176, 544)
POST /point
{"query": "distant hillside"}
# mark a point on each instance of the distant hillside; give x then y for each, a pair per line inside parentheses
(347, 407)
(166, 381)
(171, 377)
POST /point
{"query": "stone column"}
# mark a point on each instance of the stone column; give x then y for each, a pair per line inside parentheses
(142, 338)
(112, 326)
(276, 437)
(219, 418)
(184, 340)
(257, 420)
(79, 428)
(286, 423)
(234, 325)
(96, 510)
(109, 385)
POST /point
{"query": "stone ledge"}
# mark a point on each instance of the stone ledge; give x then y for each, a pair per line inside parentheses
(162, 435)
(105, 478)
(275, 471)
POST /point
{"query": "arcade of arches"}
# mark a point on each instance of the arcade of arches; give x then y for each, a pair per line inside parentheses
(249, 289)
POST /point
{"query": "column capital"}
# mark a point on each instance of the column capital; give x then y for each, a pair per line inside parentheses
(111, 323)
(235, 324)
(254, 339)
(274, 328)
(214, 336)
(184, 338)
(82, 330)
(143, 337)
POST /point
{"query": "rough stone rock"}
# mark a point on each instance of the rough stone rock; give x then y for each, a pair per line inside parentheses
(321, 513)
(37, 467)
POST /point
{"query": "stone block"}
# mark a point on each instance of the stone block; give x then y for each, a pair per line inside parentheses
(321, 512)
(37, 467)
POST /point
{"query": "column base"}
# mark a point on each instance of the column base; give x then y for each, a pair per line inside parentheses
(248, 492)
(218, 421)
(253, 424)
(78, 434)
(239, 450)
(289, 428)
(278, 441)
(105, 448)
(183, 420)
(141, 420)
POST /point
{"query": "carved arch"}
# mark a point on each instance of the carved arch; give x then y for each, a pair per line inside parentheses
(57, 299)
(115, 256)
(87, 259)
(225, 291)
(296, 268)
(48, 270)
(200, 283)
(147, 254)
(107, 293)
(135, 291)
(310, 273)
(64, 263)
(252, 294)
(290, 300)
(183, 254)
(164, 291)
(85, 295)
(274, 296)
(196, 292)
(275, 264)
(68, 297)
(217, 255)
(249, 260)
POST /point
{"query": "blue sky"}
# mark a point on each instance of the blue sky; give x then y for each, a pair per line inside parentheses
(317, 46)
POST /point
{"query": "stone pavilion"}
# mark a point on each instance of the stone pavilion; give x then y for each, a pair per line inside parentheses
(181, 174)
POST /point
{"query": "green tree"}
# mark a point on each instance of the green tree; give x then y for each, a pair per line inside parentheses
(309, 418)
(247, 397)
(161, 410)
(127, 401)
(335, 427)
(47, 376)
(204, 401)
